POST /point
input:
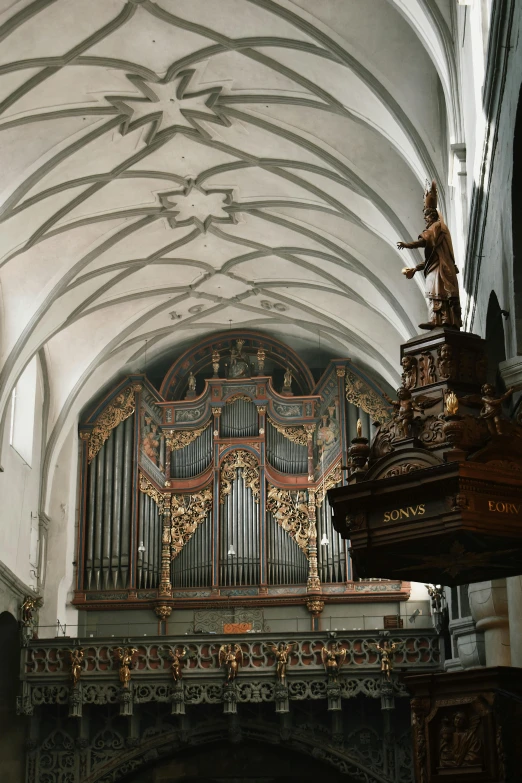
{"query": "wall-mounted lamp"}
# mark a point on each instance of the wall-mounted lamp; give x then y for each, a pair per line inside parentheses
(324, 540)
(231, 550)
(141, 549)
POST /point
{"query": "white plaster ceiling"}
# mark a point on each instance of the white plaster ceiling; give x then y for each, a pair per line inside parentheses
(170, 167)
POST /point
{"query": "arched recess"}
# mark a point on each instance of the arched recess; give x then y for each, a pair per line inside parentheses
(516, 212)
(495, 339)
(234, 750)
(12, 726)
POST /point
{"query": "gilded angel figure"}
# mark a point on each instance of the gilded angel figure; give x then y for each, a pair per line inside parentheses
(231, 656)
(333, 659)
(281, 653)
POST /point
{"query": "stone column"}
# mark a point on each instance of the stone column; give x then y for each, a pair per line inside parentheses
(489, 608)
(514, 595)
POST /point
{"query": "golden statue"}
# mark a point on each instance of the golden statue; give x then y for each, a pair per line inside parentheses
(333, 659)
(281, 653)
(124, 655)
(231, 656)
(385, 651)
(76, 664)
(440, 271)
(31, 603)
(287, 381)
(177, 656)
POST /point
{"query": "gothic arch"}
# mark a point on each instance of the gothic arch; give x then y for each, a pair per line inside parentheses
(167, 745)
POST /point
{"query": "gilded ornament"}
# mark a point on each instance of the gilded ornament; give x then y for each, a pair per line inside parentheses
(314, 605)
(117, 411)
(160, 498)
(163, 612)
(236, 397)
(331, 479)
(248, 464)
(178, 439)
(340, 372)
(216, 411)
(290, 511)
(295, 434)
(452, 404)
(187, 512)
(359, 393)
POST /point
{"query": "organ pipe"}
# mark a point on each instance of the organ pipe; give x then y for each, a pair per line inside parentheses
(192, 459)
(193, 566)
(239, 420)
(283, 454)
(239, 529)
(331, 558)
(109, 495)
(149, 532)
(287, 563)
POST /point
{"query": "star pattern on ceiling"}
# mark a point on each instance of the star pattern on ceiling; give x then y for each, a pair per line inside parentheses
(195, 205)
(165, 107)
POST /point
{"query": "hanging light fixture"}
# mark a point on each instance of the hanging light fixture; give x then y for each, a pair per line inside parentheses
(231, 550)
(141, 549)
(324, 540)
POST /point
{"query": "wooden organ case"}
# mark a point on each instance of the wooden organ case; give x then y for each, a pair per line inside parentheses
(213, 488)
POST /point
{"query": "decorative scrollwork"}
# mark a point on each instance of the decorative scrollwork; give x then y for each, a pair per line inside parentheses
(359, 393)
(178, 439)
(248, 464)
(295, 434)
(161, 498)
(187, 512)
(332, 478)
(290, 510)
(236, 397)
(119, 409)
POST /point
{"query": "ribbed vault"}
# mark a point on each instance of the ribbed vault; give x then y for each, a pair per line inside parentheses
(171, 167)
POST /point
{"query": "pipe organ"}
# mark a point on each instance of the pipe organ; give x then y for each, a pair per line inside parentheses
(214, 485)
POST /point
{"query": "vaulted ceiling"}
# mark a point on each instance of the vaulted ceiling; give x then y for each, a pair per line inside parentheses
(171, 168)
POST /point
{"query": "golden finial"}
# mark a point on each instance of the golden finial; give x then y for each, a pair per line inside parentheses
(452, 403)
(359, 428)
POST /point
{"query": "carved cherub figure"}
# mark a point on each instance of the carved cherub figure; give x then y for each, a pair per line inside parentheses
(385, 651)
(281, 652)
(333, 659)
(124, 655)
(491, 410)
(404, 410)
(177, 656)
(76, 664)
(231, 656)
(409, 372)
(446, 364)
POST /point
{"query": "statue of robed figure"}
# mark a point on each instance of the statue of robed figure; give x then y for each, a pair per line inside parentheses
(440, 270)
